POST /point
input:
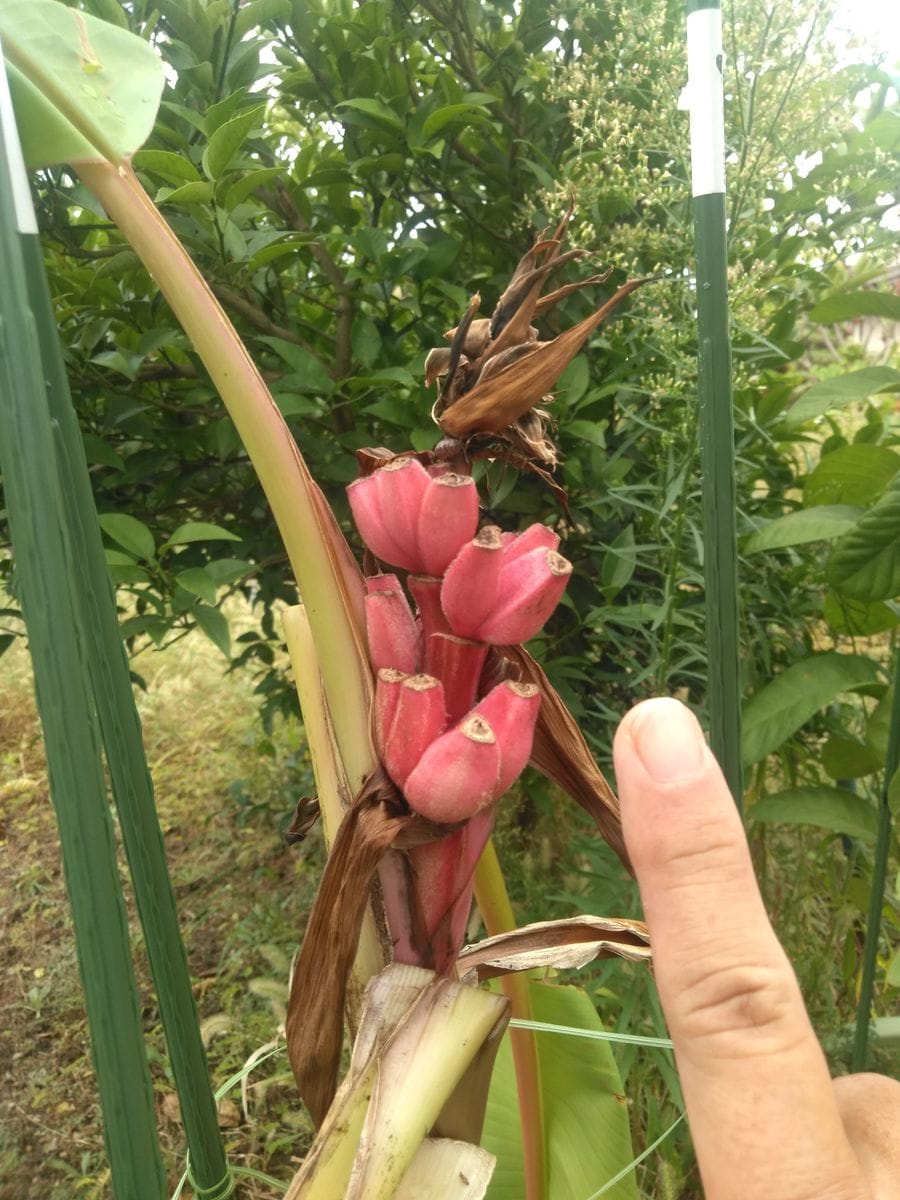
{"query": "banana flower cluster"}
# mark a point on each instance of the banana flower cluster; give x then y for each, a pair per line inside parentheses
(452, 750)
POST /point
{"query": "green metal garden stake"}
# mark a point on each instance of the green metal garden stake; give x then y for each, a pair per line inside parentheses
(705, 101)
(859, 1059)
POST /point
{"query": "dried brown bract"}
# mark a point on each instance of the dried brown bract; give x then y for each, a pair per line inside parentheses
(497, 372)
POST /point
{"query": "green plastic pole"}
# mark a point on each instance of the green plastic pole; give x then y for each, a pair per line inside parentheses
(705, 102)
(879, 876)
(43, 556)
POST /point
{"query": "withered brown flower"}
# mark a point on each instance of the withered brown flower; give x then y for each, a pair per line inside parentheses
(496, 373)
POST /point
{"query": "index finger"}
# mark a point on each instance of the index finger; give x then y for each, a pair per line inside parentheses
(764, 1121)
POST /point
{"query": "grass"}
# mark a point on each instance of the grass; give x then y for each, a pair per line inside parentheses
(225, 791)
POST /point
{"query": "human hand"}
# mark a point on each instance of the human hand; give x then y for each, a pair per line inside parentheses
(766, 1122)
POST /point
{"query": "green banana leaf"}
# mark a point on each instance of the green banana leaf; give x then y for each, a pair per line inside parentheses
(587, 1139)
(82, 89)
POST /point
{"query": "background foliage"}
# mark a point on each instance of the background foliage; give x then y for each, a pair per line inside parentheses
(346, 176)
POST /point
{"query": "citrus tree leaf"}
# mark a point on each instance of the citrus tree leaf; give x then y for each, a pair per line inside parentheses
(228, 139)
(587, 1136)
(174, 168)
(828, 394)
(201, 531)
(82, 89)
(587, 431)
(129, 532)
(776, 712)
(878, 726)
(845, 757)
(845, 615)
(227, 570)
(832, 808)
(453, 114)
(373, 108)
(311, 375)
(818, 524)
(215, 625)
(365, 340)
(196, 581)
(196, 192)
(865, 563)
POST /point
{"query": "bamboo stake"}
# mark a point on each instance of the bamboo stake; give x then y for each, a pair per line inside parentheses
(36, 508)
(705, 101)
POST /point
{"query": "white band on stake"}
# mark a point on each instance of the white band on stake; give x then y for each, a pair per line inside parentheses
(705, 96)
(21, 193)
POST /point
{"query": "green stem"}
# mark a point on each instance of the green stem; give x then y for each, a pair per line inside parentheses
(496, 912)
(879, 876)
(671, 579)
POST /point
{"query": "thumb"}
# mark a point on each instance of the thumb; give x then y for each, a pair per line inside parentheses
(763, 1117)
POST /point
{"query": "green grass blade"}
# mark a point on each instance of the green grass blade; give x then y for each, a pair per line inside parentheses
(121, 732)
(43, 555)
(623, 1174)
(600, 1035)
(879, 876)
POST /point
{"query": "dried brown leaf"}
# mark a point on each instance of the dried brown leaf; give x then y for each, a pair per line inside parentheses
(476, 338)
(566, 944)
(314, 1024)
(437, 363)
(516, 307)
(378, 819)
(496, 403)
(305, 816)
(560, 751)
(547, 302)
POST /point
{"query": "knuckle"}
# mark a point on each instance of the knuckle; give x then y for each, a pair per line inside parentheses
(708, 852)
(742, 1009)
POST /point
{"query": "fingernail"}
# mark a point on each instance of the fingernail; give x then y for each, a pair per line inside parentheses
(668, 739)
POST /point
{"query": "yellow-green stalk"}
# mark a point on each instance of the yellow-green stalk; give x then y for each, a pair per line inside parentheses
(328, 580)
(418, 1035)
(331, 782)
(496, 911)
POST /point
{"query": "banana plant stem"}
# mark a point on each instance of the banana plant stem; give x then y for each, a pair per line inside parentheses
(496, 912)
(329, 582)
